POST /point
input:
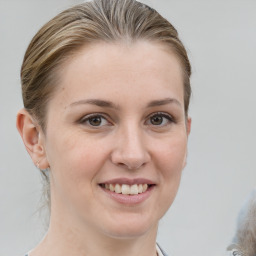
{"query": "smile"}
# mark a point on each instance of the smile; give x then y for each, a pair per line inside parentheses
(126, 189)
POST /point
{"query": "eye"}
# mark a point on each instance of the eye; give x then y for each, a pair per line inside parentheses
(95, 120)
(159, 119)
(156, 120)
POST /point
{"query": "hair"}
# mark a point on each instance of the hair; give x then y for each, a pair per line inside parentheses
(108, 21)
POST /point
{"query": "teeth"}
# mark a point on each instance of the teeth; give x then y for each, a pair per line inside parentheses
(134, 190)
(125, 189)
(111, 187)
(118, 189)
(145, 187)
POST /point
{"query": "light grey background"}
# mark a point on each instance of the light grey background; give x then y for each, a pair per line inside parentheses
(220, 37)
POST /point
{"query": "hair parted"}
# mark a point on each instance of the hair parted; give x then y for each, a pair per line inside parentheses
(124, 21)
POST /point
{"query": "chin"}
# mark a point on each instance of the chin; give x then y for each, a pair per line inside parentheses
(127, 234)
(130, 227)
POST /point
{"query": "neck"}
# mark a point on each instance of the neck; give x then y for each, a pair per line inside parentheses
(64, 239)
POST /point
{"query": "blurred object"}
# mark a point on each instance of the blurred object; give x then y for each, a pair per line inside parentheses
(244, 242)
(234, 250)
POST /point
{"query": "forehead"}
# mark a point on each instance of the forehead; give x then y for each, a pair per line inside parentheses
(107, 68)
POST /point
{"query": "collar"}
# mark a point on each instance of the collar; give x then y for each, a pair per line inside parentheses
(159, 251)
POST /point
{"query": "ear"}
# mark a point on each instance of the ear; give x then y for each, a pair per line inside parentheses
(188, 124)
(33, 138)
(188, 128)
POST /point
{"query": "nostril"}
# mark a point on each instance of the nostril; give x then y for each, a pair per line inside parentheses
(130, 166)
(134, 166)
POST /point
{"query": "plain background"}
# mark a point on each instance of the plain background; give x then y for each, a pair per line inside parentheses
(220, 37)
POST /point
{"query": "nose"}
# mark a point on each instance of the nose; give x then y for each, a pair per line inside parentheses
(130, 149)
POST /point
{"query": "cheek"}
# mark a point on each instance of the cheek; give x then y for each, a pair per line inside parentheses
(171, 155)
(75, 161)
(75, 158)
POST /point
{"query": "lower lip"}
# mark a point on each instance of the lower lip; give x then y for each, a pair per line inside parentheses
(129, 199)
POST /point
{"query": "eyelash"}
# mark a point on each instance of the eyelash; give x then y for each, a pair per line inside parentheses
(86, 119)
(169, 118)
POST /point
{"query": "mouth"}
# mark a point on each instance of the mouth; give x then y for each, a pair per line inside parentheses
(126, 189)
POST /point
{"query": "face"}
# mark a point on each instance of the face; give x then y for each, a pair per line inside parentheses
(116, 138)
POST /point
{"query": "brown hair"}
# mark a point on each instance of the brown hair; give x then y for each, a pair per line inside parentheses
(94, 21)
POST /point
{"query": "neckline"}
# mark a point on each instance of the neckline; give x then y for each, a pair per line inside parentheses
(158, 250)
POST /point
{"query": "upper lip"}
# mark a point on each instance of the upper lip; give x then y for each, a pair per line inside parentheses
(128, 181)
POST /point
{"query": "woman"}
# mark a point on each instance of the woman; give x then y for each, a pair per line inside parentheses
(106, 93)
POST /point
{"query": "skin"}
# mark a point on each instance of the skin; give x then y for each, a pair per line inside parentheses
(141, 132)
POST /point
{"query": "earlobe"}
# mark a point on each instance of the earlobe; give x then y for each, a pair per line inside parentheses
(31, 135)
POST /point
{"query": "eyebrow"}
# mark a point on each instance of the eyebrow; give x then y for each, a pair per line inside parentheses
(162, 102)
(108, 104)
(96, 102)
